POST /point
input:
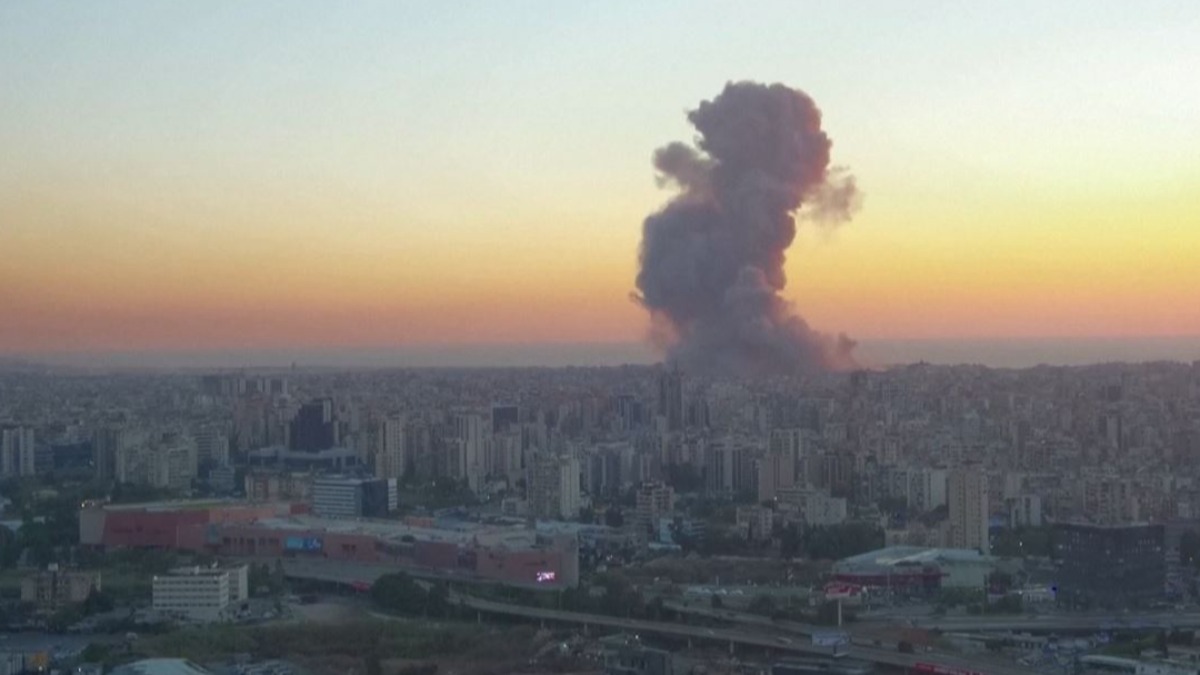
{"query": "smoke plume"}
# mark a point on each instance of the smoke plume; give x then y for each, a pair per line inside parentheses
(711, 260)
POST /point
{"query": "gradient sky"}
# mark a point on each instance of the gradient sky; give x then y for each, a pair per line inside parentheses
(195, 175)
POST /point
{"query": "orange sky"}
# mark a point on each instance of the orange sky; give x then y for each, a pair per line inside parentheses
(903, 269)
(363, 182)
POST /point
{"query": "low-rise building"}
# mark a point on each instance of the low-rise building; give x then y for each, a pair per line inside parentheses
(916, 568)
(200, 594)
(338, 497)
(755, 522)
(52, 589)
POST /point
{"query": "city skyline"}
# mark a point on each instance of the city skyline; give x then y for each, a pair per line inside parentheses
(302, 177)
(679, 337)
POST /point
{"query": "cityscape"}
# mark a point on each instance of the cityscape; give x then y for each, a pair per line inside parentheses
(941, 517)
(553, 338)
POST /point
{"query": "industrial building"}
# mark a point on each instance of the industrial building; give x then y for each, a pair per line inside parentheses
(503, 553)
(916, 569)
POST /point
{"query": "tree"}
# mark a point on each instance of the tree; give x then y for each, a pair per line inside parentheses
(1009, 604)
(278, 577)
(790, 540)
(399, 593)
(827, 614)
(1160, 643)
(655, 609)
(833, 542)
(1189, 548)
(620, 597)
(97, 602)
(372, 665)
(94, 652)
(895, 507)
(999, 581)
(762, 604)
(613, 517)
(437, 601)
(10, 548)
(64, 618)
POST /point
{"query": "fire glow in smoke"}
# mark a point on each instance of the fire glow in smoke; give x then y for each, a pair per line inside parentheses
(711, 260)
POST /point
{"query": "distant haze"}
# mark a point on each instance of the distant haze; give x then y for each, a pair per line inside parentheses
(1019, 353)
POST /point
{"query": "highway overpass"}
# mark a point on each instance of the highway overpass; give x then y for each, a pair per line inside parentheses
(1062, 623)
(759, 636)
(744, 637)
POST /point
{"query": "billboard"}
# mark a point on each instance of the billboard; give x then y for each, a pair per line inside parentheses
(302, 544)
(830, 639)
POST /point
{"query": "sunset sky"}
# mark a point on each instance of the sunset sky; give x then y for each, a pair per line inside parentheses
(199, 175)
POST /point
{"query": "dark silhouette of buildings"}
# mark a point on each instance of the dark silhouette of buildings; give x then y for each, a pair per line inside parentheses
(1110, 565)
(314, 427)
(670, 399)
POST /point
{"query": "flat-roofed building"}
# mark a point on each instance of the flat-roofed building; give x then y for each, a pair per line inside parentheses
(1110, 565)
(199, 594)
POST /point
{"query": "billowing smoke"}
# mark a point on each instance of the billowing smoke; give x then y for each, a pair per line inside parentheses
(712, 258)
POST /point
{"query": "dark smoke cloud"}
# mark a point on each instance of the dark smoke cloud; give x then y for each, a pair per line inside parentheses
(712, 258)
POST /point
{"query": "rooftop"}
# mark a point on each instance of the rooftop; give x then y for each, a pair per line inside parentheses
(912, 556)
(160, 667)
(396, 532)
(179, 505)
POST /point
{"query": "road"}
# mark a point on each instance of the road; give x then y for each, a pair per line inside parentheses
(742, 617)
(1053, 623)
(794, 643)
(734, 637)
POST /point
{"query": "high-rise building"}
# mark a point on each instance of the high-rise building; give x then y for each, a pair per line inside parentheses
(1110, 500)
(1026, 511)
(754, 522)
(314, 427)
(277, 386)
(1110, 566)
(789, 442)
(505, 417)
(554, 487)
(468, 454)
(726, 467)
(392, 460)
(926, 489)
(171, 463)
(967, 489)
(654, 500)
(776, 469)
(670, 399)
(17, 452)
(212, 446)
(107, 444)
